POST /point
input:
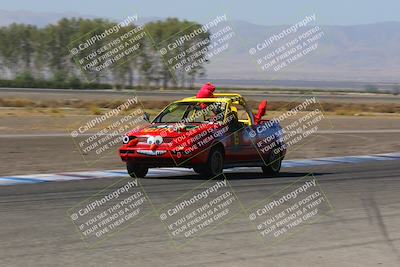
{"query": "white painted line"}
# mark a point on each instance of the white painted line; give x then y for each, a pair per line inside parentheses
(168, 172)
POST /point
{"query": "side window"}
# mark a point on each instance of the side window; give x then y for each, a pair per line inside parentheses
(242, 114)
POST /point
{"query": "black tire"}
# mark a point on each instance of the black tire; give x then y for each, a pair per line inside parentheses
(136, 170)
(198, 169)
(214, 165)
(274, 165)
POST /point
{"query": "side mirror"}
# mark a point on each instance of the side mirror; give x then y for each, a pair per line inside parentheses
(146, 117)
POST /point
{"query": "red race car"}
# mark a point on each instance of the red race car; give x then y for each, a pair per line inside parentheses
(206, 134)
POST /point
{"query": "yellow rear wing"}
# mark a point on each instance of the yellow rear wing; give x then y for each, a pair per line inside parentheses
(229, 95)
(223, 97)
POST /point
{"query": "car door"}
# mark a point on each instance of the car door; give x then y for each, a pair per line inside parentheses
(240, 147)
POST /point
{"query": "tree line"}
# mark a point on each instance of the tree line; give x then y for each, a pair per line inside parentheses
(31, 55)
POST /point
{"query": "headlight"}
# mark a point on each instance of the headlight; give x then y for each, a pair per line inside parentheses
(125, 139)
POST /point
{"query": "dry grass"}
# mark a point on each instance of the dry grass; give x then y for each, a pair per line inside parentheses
(95, 107)
(16, 102)
(95, 110)
(337, 108)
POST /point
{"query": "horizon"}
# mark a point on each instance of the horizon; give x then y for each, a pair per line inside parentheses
(155, 18)
(263, 13)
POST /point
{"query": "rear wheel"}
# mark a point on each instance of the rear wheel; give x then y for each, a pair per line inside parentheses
(136, 170)
(274, 165)
(215, 163)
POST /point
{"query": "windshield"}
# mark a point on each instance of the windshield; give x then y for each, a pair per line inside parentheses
(192, 112)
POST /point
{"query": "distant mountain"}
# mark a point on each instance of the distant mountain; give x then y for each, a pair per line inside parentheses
(367, 53)
(354, 53)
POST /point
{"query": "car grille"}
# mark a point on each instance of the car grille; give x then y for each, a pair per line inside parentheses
(127, 151)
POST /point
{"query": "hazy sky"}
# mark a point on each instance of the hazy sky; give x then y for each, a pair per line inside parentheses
(265, 12)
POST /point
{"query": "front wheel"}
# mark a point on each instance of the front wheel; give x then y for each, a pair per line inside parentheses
(274, 165)
(136, 170)
(198, 169)
(215, 163)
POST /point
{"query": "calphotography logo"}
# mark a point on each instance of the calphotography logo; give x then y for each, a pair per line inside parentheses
(102, 49)
(276, 37)
(288, 210)
(284, 48)
(301, 124)
(199, 211)
(188, 51)
(98, 136)
(109, 211)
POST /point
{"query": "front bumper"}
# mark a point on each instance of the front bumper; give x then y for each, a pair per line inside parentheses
(162, 158)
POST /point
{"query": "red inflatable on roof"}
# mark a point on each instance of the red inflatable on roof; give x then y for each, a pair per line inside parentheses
(206, 91)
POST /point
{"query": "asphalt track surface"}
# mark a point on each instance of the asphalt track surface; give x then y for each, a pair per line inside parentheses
(362, 229)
